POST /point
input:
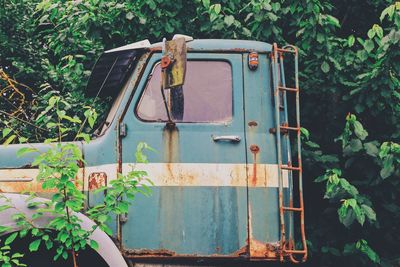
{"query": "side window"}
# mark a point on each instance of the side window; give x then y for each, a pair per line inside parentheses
(206, 95)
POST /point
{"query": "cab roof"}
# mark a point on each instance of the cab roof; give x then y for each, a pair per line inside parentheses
(223, 45)
(216, 45)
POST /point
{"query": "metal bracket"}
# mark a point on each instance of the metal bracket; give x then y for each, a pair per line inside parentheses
(123, 218)
(122, 129)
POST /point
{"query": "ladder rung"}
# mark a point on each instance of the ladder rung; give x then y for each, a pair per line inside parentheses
(288, 89)
(293, 251)
(292, 209)
(290, 128)
(291, 168)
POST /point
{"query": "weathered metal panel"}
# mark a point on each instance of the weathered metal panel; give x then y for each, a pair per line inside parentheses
(188, 220)
(184, 219)
(261, 149)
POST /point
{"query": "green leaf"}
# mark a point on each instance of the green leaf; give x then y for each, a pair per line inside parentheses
(34, 246)
(371, 149)
(65, 255)
(359, 130)
(22, 139)
(369, 212)
(333, 21)
(321, 178)
(4, 207)
(229, 20)
(388, 168)
(351, 40)
(129, 16)
(348, 218)
(102, 218)
(378, 30)
(94, 244)
(91, 122)
(371, 33)
(11, 238)
(49, 244)
(106, 229)
(369, 46)
(362, 245)
(389, 11)
(206, 3)
(355, 145)
(217, 8)
(9, 140)
(305, 132)
(360, 216)
(17, 255)
(25, 150)
(85, 137)
(124, 207)
(325, 67)
(6, 131)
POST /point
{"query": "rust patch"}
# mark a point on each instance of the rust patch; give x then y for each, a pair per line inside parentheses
(97, 180)
(171, 143)
(260, 249)
(148, 253)
(254, 149)
(243, 251)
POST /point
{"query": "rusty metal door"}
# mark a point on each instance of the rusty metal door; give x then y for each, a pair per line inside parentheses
(262, 169)
(198, 206)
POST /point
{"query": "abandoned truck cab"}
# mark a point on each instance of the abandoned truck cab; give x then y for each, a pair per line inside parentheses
(216, 112)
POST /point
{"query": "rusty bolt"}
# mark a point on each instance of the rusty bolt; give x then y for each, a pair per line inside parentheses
(254, 148)
(252, 123)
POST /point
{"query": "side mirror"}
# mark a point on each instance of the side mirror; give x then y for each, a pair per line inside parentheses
(173, 63)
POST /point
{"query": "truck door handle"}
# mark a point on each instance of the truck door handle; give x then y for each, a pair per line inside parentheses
(226, 138)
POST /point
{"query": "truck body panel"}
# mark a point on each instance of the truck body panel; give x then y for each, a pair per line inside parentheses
(215, 173)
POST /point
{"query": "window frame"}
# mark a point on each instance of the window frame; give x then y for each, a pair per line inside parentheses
(150, 75)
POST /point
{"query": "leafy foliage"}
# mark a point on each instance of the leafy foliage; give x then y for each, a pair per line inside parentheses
(371, 168)
(122, 192)
(58, 171)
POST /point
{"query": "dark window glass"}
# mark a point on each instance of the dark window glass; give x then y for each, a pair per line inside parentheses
(205, 97)
(111, 72)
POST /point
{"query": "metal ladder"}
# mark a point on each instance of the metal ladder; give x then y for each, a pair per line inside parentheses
(287, 245)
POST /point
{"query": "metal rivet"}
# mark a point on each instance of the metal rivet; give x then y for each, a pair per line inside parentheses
(254, 148)
(252, 123)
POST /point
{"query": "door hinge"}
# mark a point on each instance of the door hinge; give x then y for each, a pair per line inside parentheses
(123, 218)
(122, 129)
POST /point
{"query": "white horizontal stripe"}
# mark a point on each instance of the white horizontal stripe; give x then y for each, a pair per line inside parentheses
(162, 174)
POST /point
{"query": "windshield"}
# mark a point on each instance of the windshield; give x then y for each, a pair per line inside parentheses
(107, 80)
(110, 73)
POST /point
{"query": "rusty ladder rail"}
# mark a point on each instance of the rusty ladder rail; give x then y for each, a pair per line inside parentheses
(288, 248)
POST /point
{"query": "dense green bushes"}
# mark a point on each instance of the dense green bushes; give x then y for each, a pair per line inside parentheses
(350, 63)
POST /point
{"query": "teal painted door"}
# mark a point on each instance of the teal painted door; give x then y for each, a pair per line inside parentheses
(198, 205)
